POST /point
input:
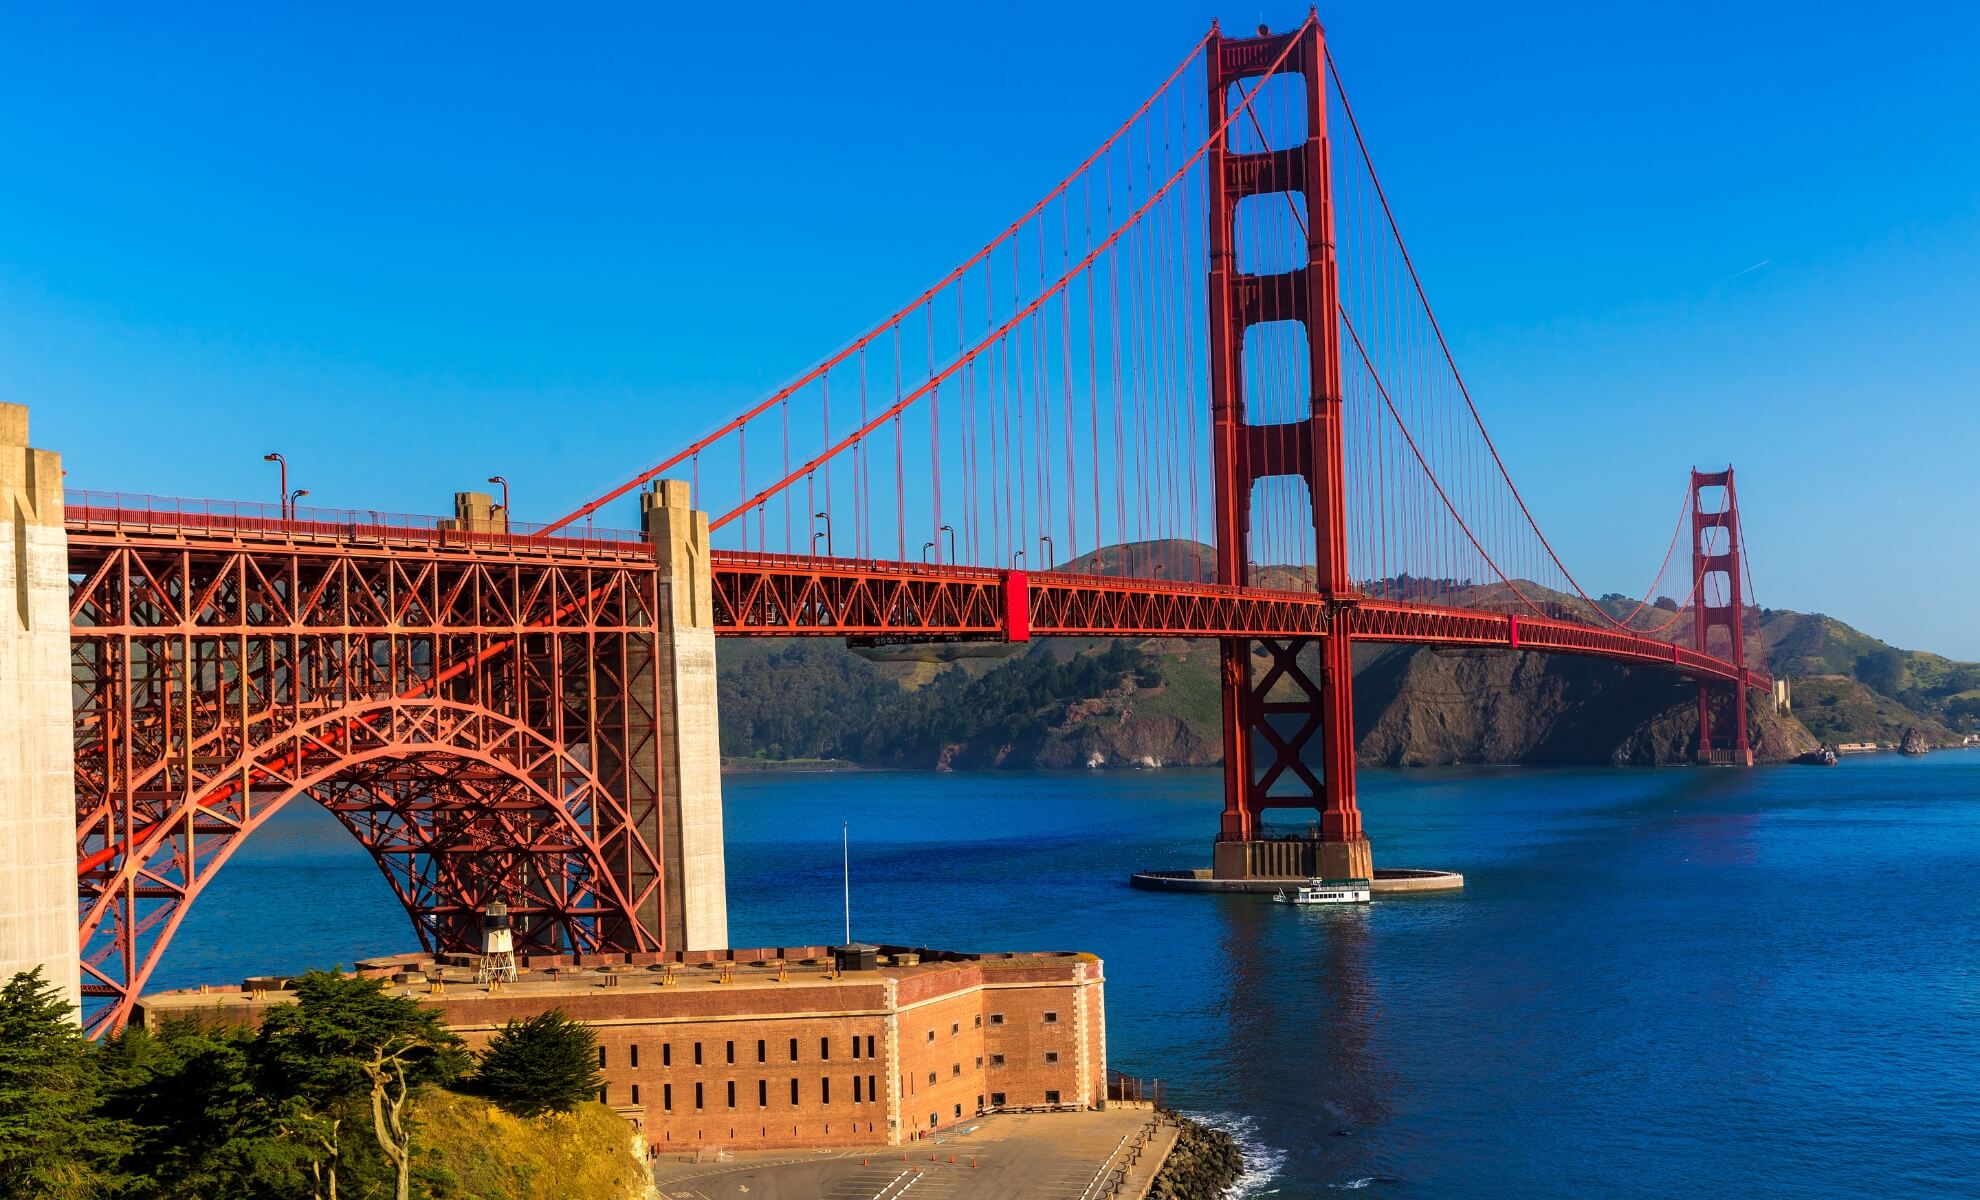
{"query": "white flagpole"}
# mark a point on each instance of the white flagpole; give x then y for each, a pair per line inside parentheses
(845, 867)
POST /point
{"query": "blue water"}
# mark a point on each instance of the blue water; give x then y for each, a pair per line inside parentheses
(1657, 982)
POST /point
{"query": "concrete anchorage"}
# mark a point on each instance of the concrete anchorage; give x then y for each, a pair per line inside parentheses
(37, 721)
(690, 758)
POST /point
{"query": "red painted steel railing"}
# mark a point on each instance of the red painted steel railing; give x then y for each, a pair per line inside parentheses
(136, 515)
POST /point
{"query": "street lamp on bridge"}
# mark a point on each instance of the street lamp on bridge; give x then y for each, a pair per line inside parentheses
(827, 518)
(505, 495)
(1051, 551)
(282, 495)
(950, 530)
(294, 496)
(925, 548)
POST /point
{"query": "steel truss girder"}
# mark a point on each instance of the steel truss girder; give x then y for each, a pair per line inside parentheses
(470, 715)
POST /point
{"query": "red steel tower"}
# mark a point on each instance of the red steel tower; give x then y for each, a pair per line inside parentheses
(1715, 572)
(1288, 704)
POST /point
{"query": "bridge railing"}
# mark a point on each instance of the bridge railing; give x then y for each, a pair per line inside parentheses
(133, 514)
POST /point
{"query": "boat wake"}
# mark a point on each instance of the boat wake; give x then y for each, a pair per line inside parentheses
(1262, 1163)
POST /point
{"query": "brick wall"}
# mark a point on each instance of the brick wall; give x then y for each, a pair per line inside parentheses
(925, 1040)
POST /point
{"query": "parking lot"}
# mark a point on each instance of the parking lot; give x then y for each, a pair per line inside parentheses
(1032, 1156)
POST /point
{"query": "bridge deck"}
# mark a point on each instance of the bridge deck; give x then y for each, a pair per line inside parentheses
(768, 595)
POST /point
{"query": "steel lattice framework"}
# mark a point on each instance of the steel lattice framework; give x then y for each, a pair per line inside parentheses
(481, 719)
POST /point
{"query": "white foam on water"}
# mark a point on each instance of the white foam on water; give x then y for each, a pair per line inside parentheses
(1353, 1184)
(1262, 1163)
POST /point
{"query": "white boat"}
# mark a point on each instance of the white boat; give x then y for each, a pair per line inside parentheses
(1326, 891)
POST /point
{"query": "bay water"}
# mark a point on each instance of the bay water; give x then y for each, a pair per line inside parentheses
(1756, 982)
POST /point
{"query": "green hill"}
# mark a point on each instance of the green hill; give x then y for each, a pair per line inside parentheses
(1093, 702)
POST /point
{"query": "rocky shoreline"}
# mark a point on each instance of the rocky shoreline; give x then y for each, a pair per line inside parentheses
(1202, 1165)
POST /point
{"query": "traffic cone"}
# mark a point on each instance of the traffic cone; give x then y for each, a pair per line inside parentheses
(952, 1160)
(972, 1162)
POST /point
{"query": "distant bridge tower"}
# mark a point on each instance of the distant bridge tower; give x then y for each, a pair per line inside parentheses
(1291, 711)
(1715, 573)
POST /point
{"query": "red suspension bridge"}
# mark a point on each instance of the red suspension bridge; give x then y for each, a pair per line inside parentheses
(1197, 390)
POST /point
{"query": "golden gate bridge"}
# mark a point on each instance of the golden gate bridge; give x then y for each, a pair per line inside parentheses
(1197, 390)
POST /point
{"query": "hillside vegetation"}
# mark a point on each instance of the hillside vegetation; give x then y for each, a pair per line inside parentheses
(1155, 702)
(469, 1148)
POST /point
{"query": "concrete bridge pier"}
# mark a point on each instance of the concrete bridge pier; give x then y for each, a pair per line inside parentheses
(695, 886)
(37, 724)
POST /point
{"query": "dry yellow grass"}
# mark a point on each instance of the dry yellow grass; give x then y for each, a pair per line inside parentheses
(468, 1148)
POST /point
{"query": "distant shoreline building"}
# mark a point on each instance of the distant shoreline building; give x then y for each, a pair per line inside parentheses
(787, 1047)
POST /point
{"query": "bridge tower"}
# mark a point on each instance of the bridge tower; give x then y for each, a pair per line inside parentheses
(37, 757)
(1715, 572)
(1291, 708)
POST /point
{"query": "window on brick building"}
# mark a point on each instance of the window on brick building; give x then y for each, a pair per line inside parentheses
(996, 1060)
(855, 1046)
(667, 1096)
(869, 1045)
(1051, 1056)
(996, 1018)
(856, 1090)
(1051, 1097)
(1051, 1018)
(603, 1092)
(601, 1056)
(996, 1099)
(979, 1062)
(979, 1021)
(955, 1070)
(959, 1110)
(697, 1054)
(794, 1098)
(634, 1051)
(824, 1049)
(732, 1052)
(872, 1091)
(793, 1049)
(825, 1090)
(931, 1035)
(666, 1054)
(763, 1093)
(697, 1095)
(762, 1052)
(732, 1093)
(979, 1104)
(931, 1079)
(955, 1027)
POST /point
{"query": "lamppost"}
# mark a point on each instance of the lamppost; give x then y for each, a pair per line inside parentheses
(925, 548)
(294, 496)
(827, 518)
(282, 500)
(950, 530)
(1015, 555)
(1051, 551)
(505, 496)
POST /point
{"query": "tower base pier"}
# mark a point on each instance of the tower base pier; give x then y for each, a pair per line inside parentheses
(1292, 858)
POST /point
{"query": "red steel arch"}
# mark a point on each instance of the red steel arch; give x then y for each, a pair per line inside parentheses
(480, 717)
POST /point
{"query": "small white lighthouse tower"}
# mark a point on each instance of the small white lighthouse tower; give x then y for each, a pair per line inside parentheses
(498, 947)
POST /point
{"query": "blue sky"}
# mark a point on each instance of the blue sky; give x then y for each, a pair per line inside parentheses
(412, 250)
